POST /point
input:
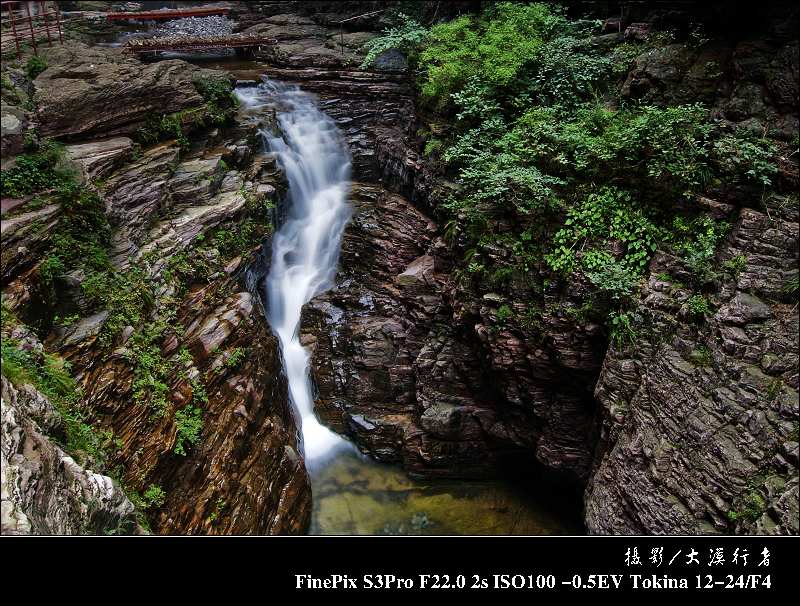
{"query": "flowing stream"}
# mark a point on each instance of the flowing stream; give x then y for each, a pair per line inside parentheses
(353, 494)
(305, 249)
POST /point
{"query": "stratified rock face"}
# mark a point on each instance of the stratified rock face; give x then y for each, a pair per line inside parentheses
(752, 82)
(389, 370)
(699, 422)
(220, 452)
(13, 122)
(699, 419)
(544, 370)
(45, 491)
(98, 159)
(300, 42)
(25, 236)
(411, 381)
(88, 91)
(245, 475)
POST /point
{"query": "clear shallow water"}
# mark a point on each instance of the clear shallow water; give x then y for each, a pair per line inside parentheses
(354, 495)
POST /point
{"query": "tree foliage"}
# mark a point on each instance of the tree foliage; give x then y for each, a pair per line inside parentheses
(554, 166)
(406, 36)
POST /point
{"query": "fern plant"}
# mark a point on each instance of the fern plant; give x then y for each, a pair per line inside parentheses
(406, 37)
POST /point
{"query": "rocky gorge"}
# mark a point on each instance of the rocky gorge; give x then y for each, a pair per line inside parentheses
(142, 384)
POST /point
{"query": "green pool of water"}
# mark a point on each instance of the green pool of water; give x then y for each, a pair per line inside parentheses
(354, 495)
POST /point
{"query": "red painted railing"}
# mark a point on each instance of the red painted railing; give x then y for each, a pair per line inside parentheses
(30, 23)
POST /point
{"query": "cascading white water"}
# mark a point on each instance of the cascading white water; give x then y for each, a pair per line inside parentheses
(304, 258)
(305, 249)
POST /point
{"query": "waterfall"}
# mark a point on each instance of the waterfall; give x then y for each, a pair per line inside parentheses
(305, 249)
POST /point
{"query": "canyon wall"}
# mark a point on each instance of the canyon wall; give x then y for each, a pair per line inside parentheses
(691, 428)
(178, 368)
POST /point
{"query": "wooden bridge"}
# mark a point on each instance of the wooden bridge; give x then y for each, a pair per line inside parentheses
(200, 11)
(198, 43)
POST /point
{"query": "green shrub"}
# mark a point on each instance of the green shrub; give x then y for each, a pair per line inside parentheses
(623, 329)
(753, 507)
(165, 126)
(189, 426)
(497, 175)
(406, 37)
(259, 207)
(150, 370)
(218, 96)
(214, 90)
(792, 287)
(239, 240)
(432, 146)
(6, 84)
(36, 172)
(701, 357)
(199, 394)
(235, 358)
(494, 48)
(219, 505)
(613, 278)
(17, 364)
(127, 296)
(154, 497)
(744, 157)
(185, 356)
(610, 215)
(66, 320)
(696, 240)
(35, 66)
(188, 267)
(774, 388)
(736, 265)
(503, 313)
(81, 236)
(698, 306)
(524, 168)
(566, 73)
(555, 174)
(661, 148)
(30, 142)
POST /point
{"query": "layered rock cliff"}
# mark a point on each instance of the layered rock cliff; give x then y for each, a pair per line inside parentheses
(690, 427)
(168, 343)
(45, 491)
(698, 426)
(412, 367)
